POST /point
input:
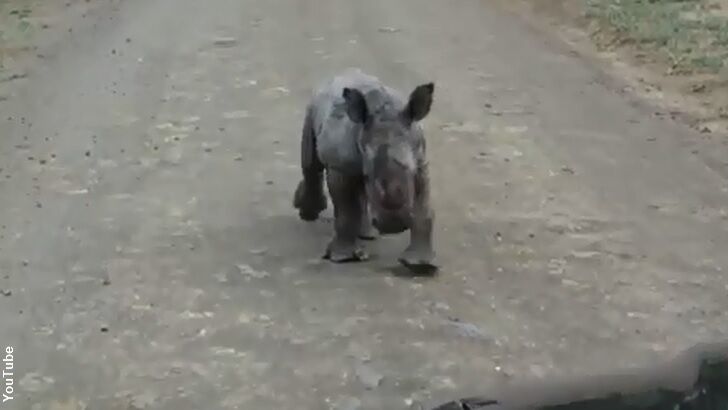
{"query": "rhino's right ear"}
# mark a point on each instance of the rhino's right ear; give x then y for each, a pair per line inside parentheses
(356, 105)
(420, 102)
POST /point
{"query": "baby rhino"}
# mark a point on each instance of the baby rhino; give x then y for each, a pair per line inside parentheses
(368, 139)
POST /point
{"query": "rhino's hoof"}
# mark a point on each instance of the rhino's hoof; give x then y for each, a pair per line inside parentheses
(419, 262)
(343, 254)
(308, 215)
(309, 204)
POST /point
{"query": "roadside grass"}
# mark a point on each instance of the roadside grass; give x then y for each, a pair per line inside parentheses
(16, 27)
(691, 35)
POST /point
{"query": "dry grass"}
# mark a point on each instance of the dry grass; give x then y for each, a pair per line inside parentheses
(683, 43)
(692, 35)
(672, 52)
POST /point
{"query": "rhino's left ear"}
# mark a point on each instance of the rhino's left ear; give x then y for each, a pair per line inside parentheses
(356, 105)
(419, 103)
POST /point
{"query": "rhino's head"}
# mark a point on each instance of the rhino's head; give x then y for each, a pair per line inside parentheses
(390, 144)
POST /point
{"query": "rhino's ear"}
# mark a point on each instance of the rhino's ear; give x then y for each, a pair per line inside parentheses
(356, 105)
(419, 103)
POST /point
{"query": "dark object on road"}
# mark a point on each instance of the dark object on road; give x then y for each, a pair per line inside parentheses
(695, 380)
(368, 139)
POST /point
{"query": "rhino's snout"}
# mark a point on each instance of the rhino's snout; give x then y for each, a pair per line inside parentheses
(392, 197)
(388, 223)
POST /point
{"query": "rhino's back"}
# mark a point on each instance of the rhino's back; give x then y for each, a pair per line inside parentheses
(336, 134)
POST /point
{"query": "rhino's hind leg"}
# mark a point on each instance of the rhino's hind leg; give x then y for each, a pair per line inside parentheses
(367, 231)
(348, 213)
(310, 198)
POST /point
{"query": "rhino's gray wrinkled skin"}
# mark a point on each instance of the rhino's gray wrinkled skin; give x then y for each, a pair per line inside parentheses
(368, 139)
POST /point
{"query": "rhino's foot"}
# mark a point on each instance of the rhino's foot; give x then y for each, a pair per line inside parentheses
(419, 260)
(308, 202)
(338, 252)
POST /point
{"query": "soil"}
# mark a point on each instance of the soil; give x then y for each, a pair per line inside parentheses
(30, 30)
(151, 257)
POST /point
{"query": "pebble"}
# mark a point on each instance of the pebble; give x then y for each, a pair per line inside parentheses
(225, 41)
(249, 272)
(368, 376)
(349, 403)
(469, 330)
(462, 128)
(35, 382)
(236, 115)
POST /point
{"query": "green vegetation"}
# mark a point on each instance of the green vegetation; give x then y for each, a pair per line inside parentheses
(691, 34)
(15, 26)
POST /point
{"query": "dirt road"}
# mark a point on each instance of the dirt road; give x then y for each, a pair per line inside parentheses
(151, 257)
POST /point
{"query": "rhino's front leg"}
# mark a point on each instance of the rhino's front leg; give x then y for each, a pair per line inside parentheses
(309, 197)
(367, 231)
(345, 192)
(420, 255)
